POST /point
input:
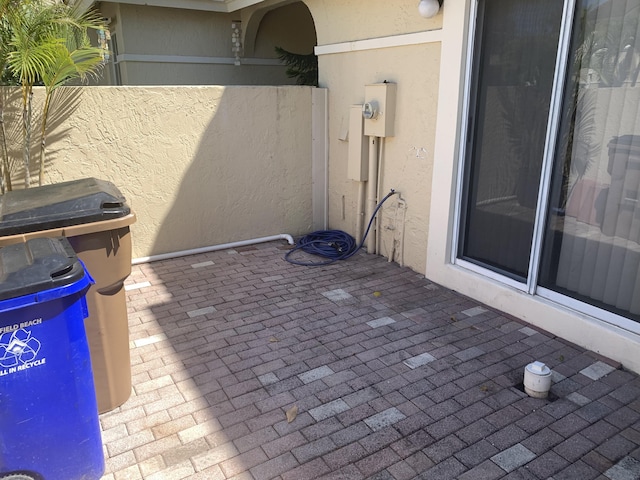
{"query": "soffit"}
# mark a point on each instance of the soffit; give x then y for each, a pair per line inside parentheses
(224, 6)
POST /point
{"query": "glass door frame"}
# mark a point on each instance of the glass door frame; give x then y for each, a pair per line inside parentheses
(531, 286)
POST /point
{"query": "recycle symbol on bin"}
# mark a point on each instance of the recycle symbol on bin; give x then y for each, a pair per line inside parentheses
(18, 348)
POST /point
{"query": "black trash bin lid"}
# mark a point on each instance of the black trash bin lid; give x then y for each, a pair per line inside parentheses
(37, 265)
(60, 205)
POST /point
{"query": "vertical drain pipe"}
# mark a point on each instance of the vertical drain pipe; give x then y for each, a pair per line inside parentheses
(379, 195)
(362, 192)
(372, 187)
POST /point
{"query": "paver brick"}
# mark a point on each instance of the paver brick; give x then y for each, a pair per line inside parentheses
(169, 427)
(444, 448)
(444, 409)
(121, 445)
(574, 448)
(542, 441)
(507, 436)
(214, 456)
(309, 471)
(182, 453)
(547, 465)
(284, 444)
(380, 439)
(444, 392)
(121, 462)
(151, 465)
(513, 457)
(322, 429)
(377, 462)
(623, 417)
(615, 448)
(579, 470)
(444, 427)
(129, 473)
(569, 425)
(345, 455)
(275, 466)
(476, 453)
(314, 449)
(628, 467)
(255, 439)
(385, 418)
(473, 412)
(487, 470)
(315, 374)
(447, 470)
(329, 409)
(535, 421)
(419, 360)
(212, 389)
(401, 471)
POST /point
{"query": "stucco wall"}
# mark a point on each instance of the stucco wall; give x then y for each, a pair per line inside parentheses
(199, 166)
(348, 20)
(172, 46)
(407, 157)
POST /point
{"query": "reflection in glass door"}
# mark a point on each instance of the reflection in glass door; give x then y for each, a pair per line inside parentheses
(515, 58)
(592, 250)
(590, 246)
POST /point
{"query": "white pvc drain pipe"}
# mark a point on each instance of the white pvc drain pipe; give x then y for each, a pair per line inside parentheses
(537, 380)
(224, 246)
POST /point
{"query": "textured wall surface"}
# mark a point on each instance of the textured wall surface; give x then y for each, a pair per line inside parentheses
(199, 166)
(406, 161)
(190, 47)
(348, 20)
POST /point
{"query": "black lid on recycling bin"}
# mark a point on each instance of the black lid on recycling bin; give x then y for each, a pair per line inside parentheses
(60, 205)
(37, 265)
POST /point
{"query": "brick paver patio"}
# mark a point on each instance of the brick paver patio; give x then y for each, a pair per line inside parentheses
(248, 367)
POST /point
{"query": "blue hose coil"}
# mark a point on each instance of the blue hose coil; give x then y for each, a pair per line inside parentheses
(332, 245)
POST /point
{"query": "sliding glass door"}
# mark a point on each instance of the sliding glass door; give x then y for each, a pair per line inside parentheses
(515, 57)
(550, 196)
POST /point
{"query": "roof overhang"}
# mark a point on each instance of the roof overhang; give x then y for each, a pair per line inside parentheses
(223, 6)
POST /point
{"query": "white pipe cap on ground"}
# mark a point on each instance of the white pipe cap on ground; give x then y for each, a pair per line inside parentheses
(537, 380)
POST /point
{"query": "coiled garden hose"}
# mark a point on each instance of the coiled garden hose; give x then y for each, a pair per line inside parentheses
(333, 245)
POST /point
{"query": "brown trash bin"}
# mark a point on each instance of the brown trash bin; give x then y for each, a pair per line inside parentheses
(95, 218)
(622, 209)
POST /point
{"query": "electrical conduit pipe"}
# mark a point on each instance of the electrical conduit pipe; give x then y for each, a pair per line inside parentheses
(372, 187)
(362, 192)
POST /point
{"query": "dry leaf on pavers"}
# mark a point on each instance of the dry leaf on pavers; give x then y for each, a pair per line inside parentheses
(377, 294)
(292, 413)
(273, 339)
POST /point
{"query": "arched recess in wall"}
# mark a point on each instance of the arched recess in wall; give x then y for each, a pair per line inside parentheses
(288, 25)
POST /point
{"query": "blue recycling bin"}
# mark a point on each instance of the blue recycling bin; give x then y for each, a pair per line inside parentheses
(49, 426)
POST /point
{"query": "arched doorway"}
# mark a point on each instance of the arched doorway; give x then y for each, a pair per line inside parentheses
(289, 28)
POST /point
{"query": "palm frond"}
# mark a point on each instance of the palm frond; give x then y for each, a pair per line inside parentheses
(45, 42)
(304, 68)
(71, 65)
